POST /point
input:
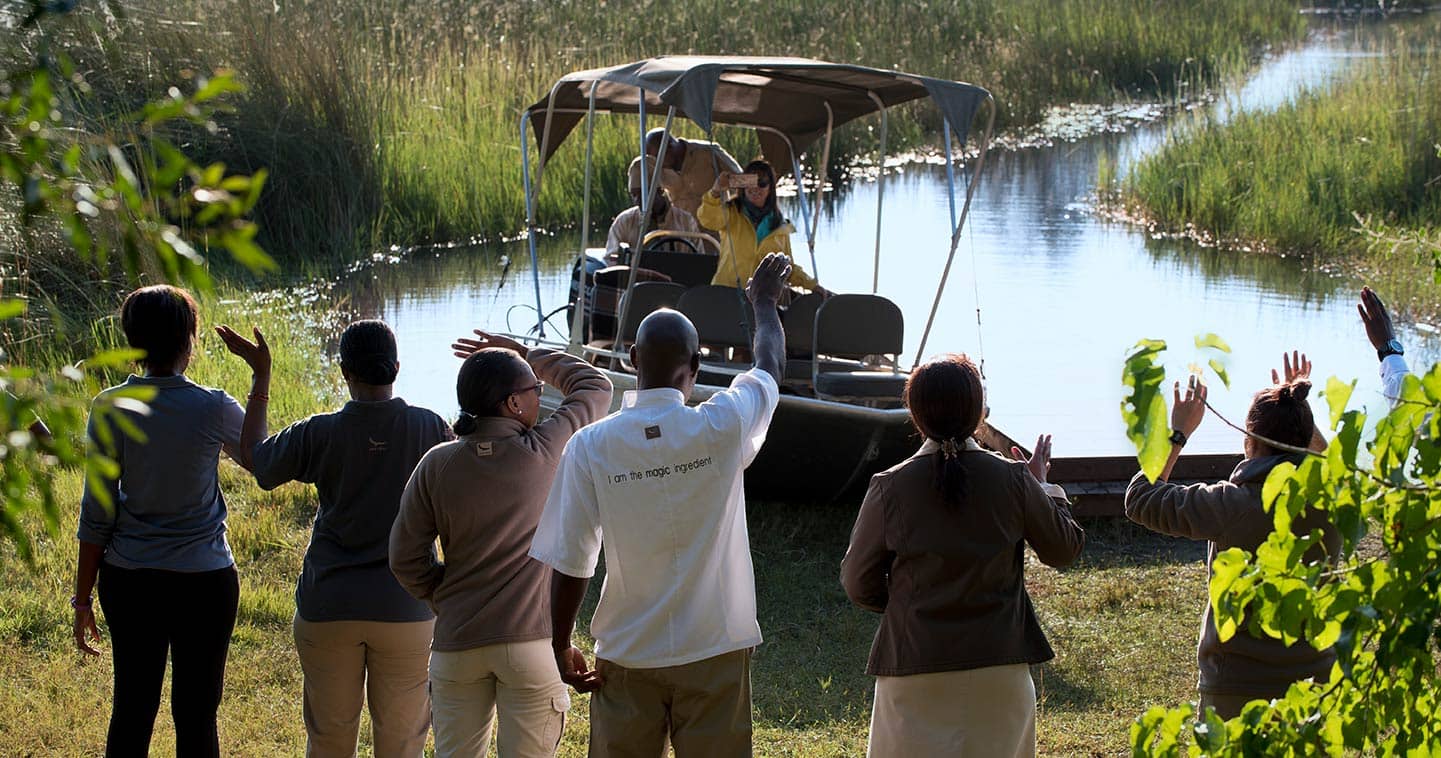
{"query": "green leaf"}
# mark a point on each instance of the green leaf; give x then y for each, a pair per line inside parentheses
(1213, 342)
(1220, 369)
(118, 359)
(1144, 409)
(1337, 394)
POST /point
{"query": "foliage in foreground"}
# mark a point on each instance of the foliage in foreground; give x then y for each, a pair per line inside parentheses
(130, 192)
(1379, 607)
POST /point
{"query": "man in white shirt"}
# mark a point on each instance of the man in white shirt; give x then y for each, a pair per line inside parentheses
(1383, 337)
(660, 484)
(627, 227)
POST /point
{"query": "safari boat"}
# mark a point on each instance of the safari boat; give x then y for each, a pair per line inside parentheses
(840, 417)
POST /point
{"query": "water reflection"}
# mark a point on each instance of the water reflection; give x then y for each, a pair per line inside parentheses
(1060, 293)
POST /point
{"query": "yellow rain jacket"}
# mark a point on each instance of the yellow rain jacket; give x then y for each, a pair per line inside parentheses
(740, 252)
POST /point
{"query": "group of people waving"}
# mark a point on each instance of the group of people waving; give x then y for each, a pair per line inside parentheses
(476, 636)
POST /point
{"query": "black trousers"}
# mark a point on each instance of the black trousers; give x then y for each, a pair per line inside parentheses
(190, 616)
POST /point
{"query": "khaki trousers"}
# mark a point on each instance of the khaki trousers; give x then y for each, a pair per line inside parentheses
(702, 709)
(346, 661)
(518, 680)
(988, 712)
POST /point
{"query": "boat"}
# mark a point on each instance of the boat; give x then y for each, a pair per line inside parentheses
(840, 417)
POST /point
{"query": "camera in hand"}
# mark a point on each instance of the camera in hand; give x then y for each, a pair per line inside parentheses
(744, 181)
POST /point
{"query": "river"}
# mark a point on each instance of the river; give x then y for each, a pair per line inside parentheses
(1062, 291)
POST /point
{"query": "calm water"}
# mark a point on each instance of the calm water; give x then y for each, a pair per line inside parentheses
(1062, 293)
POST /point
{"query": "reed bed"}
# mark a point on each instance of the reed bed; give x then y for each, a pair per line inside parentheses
(394, 123)
(1296, 179)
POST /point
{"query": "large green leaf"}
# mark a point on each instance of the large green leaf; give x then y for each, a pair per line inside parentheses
(1144, 408)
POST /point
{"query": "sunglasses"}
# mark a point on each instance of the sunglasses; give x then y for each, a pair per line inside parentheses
(763, 182)
(537, 388)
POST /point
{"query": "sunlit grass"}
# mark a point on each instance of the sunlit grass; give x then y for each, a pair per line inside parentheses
(390, 123)
(1294, 179)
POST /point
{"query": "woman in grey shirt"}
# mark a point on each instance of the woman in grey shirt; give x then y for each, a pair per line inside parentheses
(358, 633)
(154, 532)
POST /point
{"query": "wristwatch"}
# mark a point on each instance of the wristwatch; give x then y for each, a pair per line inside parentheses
(1178, 438)
(1392, 347)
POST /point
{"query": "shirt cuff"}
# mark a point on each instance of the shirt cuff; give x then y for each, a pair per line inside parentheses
(563, 566)
(1392, 365)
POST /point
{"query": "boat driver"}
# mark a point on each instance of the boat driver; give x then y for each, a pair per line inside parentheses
(696, 164)
(626, 229)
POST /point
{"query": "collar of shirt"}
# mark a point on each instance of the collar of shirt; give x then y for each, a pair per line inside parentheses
(496, 427)
(163, 382)
(930, 446)
(660, 396)
(370, 406)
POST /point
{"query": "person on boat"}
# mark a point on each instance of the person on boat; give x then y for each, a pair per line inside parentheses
(664, 215)
(482, 496)
(659, 484)
(695, 164)
(750, 227)
(938, 549)
(154, 532)
(359, 635)
(1382, 335)
(1230, 514)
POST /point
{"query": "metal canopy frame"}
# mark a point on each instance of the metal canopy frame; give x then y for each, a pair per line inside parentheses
(810, 217)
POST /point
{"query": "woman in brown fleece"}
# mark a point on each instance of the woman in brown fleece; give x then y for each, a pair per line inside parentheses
(483, 495)
(1230, 514)
(939, 549)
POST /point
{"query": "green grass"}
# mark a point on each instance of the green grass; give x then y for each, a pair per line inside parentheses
(1123, 623)
(391, 123)
(1294, 179)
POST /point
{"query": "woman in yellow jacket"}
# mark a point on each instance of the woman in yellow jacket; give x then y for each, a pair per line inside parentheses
(750, 226)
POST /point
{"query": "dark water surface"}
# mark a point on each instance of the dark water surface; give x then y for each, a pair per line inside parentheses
(1062, 293)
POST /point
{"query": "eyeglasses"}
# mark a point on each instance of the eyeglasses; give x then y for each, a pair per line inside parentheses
(537, 388)
(763, 182)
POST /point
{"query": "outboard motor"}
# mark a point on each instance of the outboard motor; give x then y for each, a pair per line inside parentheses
(593, 263)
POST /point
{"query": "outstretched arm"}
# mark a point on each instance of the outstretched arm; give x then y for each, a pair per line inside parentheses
(256, 427)
(764, 291)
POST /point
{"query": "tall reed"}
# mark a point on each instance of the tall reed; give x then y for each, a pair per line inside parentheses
(1296, 178)
(391, 123)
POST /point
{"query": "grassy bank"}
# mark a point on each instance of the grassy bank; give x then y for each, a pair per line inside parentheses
(1293, 180)
(1122, 622)
(387, 122)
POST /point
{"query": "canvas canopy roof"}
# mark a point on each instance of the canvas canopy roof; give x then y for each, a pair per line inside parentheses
(788, 95)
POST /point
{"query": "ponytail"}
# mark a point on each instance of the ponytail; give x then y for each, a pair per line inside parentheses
(464, 424)
(1281, 413)
(946, 402)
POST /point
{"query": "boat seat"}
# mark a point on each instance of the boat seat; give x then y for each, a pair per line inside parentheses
(800, 325)
(858, 327)
(646, 298)
(721, 316)
(602, 300)
(689, 269)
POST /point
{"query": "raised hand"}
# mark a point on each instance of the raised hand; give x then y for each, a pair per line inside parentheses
(1374, 316)
(255, 354)
(575, 672)
(1039, 464)
(722, 183)
(465, 347)
(769, 280)
(1187, 412)
(1294, 366)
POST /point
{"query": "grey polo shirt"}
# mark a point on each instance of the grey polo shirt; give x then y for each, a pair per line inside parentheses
(168, 512)
(359, 459)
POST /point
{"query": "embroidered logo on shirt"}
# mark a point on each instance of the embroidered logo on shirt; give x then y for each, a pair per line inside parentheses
(483, 448)
(377, 446)
(652, 432)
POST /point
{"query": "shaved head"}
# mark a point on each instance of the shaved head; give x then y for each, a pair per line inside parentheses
(667, 350)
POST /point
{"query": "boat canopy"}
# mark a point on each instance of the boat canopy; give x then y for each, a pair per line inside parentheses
(790, 100)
